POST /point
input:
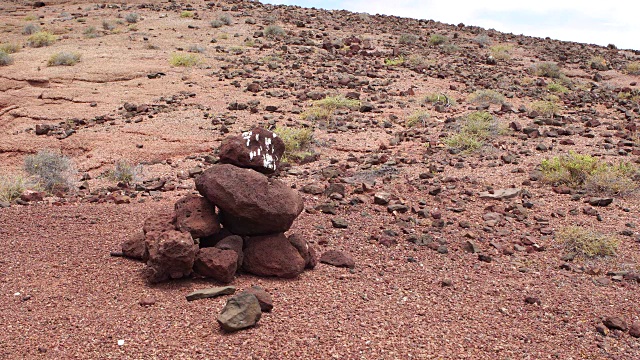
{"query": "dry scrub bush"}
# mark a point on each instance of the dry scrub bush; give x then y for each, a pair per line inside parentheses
(5, 59)
(30, 29)
(548, 107)
(585, 242)
(51, 170)
(633, 68)
(63, 58)
(185, 60)
(407, 39)
(124, 172)
(501, 52)
(475, 130)
(324, 109)
(485, 97)
(10, 48)
(274, 31)
(598, 63)
(417, 117)
(11, 187)
(437, 39)
(547, 69)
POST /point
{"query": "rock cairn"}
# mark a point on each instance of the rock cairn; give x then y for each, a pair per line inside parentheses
(238, 222)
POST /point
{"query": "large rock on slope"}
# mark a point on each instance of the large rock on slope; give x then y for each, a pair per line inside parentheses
(218, 264)
(196, 215)
(160, 222)
(258, 149)
(171, 255)
(235, 243)
(240, 312)
(134, 247)
(272, 255)
(250, 203)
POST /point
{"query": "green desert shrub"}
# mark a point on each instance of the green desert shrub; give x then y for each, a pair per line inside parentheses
(64, 58)
(274, 31)
(548, 107)
(132, 18)
(11, 187)
(186, 60)
(437, 39)
(5, 59)
(187, 14)
(297, 142)
(324, 109)
(590, 173)
(41, 39)
(51, 170)
(585, 242)
(124, 172)
(485, 97)
(395, 61)
(416, 118)
(475, 130)
(30, 29)
(407, 39)
(558, 88)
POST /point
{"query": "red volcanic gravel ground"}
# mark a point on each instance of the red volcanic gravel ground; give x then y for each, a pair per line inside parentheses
(63, 297)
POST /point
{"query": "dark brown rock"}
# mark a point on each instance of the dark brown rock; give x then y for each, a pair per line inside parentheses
(240, 312)
(272, 255)
(160, 223)
(210, 293)
(235, 243)
(338, 258)
(218, 264)
(171, 255)
(135, 248)
(258, 149)
(196, 215)
(306, 251)
(634, 330)
(250, 203)
(264, 298)
(615, 323)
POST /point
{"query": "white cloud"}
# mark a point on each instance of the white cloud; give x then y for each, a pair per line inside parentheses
(587, 21)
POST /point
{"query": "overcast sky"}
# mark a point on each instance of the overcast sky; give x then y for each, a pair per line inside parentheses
(595, 22)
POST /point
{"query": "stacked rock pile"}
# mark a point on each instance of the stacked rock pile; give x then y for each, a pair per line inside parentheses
(247, 232)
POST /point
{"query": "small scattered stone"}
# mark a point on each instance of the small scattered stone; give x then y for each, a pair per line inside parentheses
(338, 259)
(240, 312)
(211, 292)
(339, 223)
(615, 323)
(147, 301)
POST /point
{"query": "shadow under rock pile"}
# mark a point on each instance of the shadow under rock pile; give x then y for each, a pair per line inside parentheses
(248, 231)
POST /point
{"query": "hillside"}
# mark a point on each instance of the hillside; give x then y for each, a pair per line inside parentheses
(486, 182)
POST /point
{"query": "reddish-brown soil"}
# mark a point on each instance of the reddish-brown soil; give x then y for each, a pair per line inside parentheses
(62, 296)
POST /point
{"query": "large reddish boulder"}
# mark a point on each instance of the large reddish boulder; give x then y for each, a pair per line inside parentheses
(235, 243)
(160, 222)
(258, 149)
(196, 215)
(250, 203)
(272, 255)
(134, 247)
(306, 251)
(218, 264)
(171, 255)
